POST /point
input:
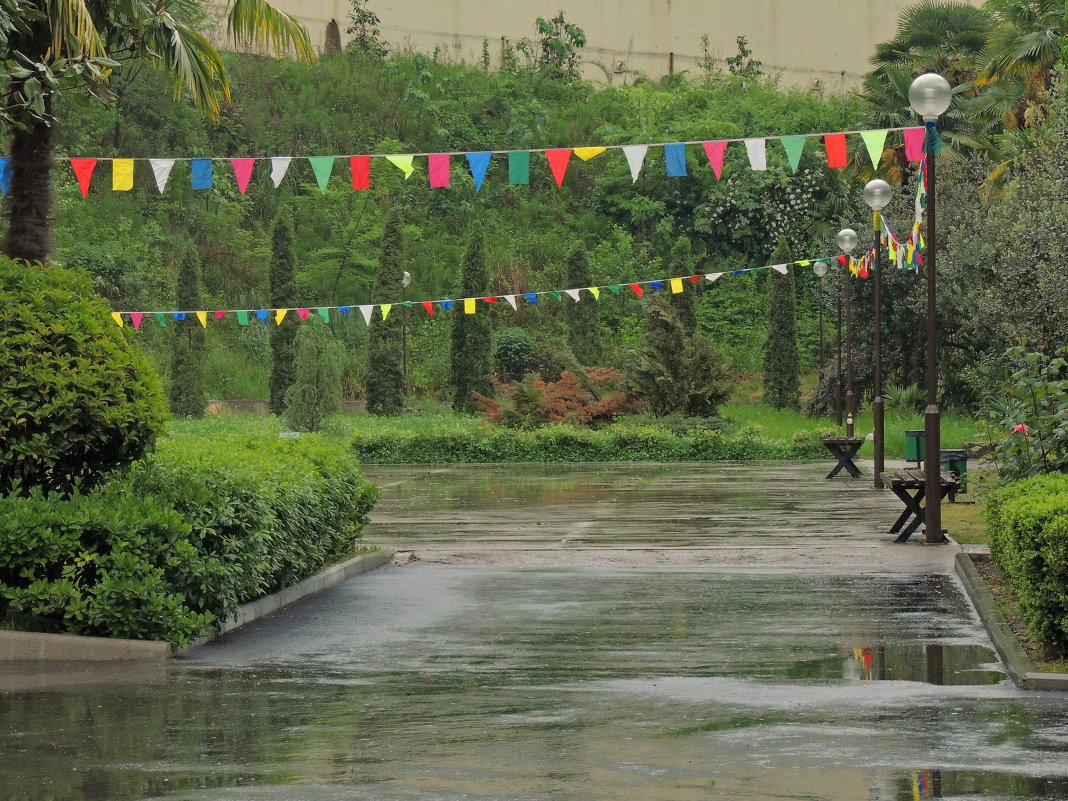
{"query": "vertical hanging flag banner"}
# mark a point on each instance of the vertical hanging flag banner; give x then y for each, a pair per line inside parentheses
(835, 145)
(122, 171)
(201, 173)
(914, 144)
(469, 305)
(875, 141)
(322, 166)
(794, 147)
(675, 160)
(714, 151)
(438, 165)
(366, 312)
(758, 154)
(478, 163)
(587, 153)
(635, 158)
(360, 167)
(83, 170)
(279, 168)
(558, 161)
(402, 163)
(243, 172)
(5, 175)
(161, 171)
(519, 167)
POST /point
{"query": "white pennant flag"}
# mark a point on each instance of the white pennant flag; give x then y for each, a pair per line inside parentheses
(758, 154)
(510, 299)
(713, 276)
(779, 268)
(574, 293)
(279, 166)
(635, 158)
(366, 312)
(161, 169)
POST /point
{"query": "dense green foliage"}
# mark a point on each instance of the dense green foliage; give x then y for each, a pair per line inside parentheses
(471, 342)
(76, 398)
(583, 324)
(514, 353)
(385, 381)
(187, 374)
(782, 375)
(282, 295)
(1028, 526)
(316, 389)
(206, 523)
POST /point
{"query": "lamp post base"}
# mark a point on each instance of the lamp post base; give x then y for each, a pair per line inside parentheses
(880, 462)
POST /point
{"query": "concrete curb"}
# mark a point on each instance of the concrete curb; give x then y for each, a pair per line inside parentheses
(27, 646)
(1015, 658)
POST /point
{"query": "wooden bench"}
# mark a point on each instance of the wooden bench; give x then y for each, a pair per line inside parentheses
(911, 487)
(844, 449)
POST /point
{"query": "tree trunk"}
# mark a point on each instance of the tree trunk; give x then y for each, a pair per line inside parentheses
(30, 202)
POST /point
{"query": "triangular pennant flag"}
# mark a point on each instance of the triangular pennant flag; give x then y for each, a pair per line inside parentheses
(587, 153)
(179, 316)
(447, 304)
(385, 307)
(203, 317)
(324, 313)
(558, 161)
(694, 279)
(715, 151)
(402, 163)
(160, 318)
(201, 169)
(117, 317)
(262, 315)
(531, 296)
(635, 158)
(279, 315)
(519, 167)
(302, 314)
(161, 171)
(794, 147)
(360, 167)
(913, 144)
(469, 305)
(490, 300)
(429, 306)
(135, 318)
(676, 286)
(343, 309)
(595, 291)
(322, 166)
(478, 163)
(556, 295)
(875, 141)
(835, 145)
(656, 284)
(438, 165)
(5, 175)
(243, 172)
(510, 300)
(637, 289)
(366, 312)
(122, 174)
(614, 288)
(803, 263)
(219, 315)
(279, 168)
(242, 317)
(758, 153)
(713, 276)
(781, 269)
(675, 160)
(83, 171)
(574, 293)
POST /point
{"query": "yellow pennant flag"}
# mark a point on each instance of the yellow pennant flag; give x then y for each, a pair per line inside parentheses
(203, 317)
(279, 315)
(854, 267)
(469, 305)
(595, 292)
(676, 285)
(122, 174)
(402, 163)
(117, 318)
(385, 307)
(587, 153)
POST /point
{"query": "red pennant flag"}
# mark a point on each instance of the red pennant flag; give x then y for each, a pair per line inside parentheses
(490, 300)
(219, 315)
(302, 314)
(242, 172)
(429, 306)
(83, 171)
(637, 289)
(715, 151)
(361, 171)
(136, 318)
(558, 160)
(438, 167)
(835, 145)
(695, 278)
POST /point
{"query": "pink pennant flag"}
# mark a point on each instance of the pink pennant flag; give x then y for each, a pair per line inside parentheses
(438, 167)
(715, 151)
(220, 314)
(83, 171)
(302, 314)
(429, 306)
(913, 144)
(243, 172)
(558, 160)
(135, 317)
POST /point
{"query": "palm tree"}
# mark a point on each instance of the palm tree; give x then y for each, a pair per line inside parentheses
(933, 36)
(73, 46)
(1026, 42)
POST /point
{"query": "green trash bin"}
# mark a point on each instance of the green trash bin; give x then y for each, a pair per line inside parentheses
(915, 442)
(956, 461)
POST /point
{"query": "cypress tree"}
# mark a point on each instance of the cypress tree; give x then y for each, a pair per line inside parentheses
(187, 395)
(782, 373)
(471, 363)
(283, 295)
(385, 381)
(685, 302)
(584, 324)
(316, 389)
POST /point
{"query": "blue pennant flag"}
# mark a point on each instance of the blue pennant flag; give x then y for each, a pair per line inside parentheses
(656, 284)
(447, 304)
(262, 314)
(201, 173)
(179, 315)
(478, 162)
(5, 175)
(531, 296)
(343, 309)
(675, 156)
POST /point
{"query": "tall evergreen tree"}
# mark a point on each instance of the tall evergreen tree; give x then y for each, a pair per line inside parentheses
(471, 363)
(685, 302)
(385, 380)
(187, 375)
(283, 295)
(316, 389)
(782, 372)
(584, 324)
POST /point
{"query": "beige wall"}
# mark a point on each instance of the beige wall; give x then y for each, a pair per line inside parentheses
(816, 43)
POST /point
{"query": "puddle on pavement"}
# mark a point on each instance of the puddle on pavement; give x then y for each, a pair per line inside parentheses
(442, 683)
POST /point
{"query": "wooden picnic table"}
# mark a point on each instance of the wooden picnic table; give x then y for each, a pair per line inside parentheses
(910, 485)
(844, 449)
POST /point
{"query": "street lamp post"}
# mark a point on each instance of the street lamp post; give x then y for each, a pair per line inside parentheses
(847, 241)
(820, 269)
(877, 194)
(929, 96)
(406, 278)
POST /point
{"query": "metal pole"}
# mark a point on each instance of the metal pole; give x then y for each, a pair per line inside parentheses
(838, 375)
(850, 409)
(404, 336)
(877, 401)
(932, 416)
(822, 354)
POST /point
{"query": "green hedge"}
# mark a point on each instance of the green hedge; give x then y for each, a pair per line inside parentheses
(1028, 526)
(185, 536)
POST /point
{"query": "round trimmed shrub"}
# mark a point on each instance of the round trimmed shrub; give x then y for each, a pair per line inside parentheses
(77, 399)
(514, 353)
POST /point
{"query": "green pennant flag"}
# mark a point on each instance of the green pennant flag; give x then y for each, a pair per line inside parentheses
(613, 288)
(322, 166)
(160, 318)
(519, 167)
(874, 141)
(556, 295)
(793, 145)
(406, 304)
(324, 314)
(242, 318)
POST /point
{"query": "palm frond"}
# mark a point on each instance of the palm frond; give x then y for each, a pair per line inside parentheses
(194, 65)
(258, 23)
(73, 32)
